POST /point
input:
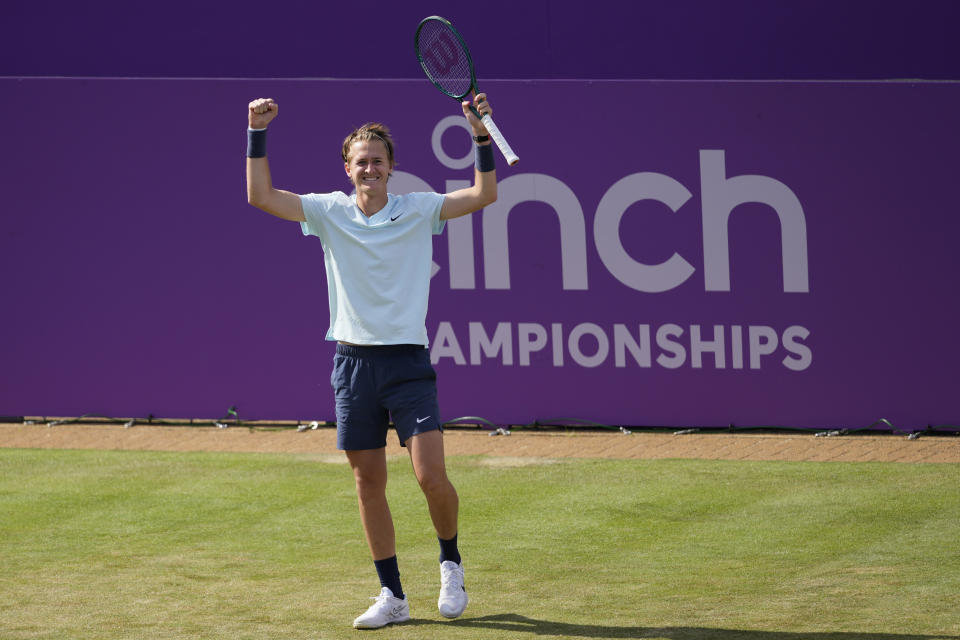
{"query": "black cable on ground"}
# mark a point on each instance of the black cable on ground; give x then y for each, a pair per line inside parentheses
(574, 423)
(87, 417)
(232, 419)
(471, 420)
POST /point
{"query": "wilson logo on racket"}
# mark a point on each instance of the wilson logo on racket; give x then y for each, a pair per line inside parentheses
(443, 55)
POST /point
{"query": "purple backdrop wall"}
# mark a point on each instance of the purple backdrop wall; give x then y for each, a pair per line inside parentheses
(639, 39)
(137, 280)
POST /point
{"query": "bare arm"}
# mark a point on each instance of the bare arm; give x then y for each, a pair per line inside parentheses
(484, 188)
(260, 190)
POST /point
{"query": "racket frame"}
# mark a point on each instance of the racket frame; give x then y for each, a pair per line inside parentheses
(487, 120)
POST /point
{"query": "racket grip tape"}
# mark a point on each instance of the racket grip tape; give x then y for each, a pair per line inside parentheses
(501, 142)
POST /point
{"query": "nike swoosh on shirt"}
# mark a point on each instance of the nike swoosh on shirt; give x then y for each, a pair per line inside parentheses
(394, 219)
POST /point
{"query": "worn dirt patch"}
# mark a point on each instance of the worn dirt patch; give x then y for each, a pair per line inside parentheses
(503, 450)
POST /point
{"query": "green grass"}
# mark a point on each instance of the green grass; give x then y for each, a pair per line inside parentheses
(111, 545)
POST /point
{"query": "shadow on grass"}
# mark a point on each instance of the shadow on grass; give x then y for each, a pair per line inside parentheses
(517, 624)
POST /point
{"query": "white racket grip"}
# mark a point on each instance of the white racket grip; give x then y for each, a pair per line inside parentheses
(494, 132)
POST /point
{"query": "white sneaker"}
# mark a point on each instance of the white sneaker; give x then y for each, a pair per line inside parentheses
(453, 595)
(386, 610)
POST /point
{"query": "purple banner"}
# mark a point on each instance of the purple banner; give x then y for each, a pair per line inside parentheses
(665, 253)
(680, 39)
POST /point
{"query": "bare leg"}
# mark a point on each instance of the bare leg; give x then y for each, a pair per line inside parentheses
(426, 453)
(370, 472)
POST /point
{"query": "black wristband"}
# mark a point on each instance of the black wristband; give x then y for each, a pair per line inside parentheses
(481, 138)
(483, 158)
(256, 143)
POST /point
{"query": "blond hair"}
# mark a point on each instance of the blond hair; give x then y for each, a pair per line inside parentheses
(366, 133)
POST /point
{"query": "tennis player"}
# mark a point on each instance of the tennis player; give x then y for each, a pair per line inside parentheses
(377, 252)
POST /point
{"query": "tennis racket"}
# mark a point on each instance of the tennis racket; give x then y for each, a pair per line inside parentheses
(445, 59)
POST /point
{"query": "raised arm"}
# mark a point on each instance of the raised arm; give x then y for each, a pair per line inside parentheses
(260, 190)
(484, 188)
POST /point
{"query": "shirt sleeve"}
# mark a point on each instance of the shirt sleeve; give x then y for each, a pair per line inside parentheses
(430, 204)
(438, 224)
(310, 215)
(316, 207)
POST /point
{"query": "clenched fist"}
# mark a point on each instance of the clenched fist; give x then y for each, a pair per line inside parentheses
(260, 112)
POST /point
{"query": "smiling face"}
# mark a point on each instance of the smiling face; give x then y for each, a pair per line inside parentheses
(368, 166)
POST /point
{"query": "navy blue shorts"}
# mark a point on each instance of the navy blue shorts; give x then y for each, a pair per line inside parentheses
(375, 384)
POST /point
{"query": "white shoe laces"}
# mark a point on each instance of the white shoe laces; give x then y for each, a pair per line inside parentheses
(452, 578)
(381, 600)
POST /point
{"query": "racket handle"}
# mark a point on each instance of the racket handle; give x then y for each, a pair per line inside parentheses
(494, 132)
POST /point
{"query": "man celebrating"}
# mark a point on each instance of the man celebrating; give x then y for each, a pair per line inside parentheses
(377, 253)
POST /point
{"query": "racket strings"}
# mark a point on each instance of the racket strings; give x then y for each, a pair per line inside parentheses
(444, 59)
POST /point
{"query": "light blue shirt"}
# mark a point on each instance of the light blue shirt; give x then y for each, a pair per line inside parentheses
(378, 268)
